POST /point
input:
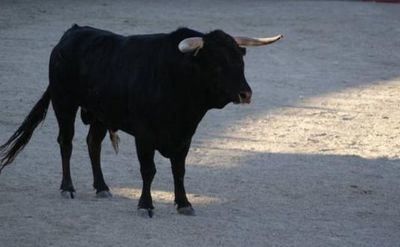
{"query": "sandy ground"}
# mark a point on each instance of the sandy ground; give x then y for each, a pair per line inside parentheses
(313, 161)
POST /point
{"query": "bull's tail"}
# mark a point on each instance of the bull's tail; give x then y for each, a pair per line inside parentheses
(21, 137)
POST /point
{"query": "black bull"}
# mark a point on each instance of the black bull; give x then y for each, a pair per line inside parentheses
(155, 87)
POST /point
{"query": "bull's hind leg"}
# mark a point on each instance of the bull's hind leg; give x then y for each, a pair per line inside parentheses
(145, 152)
(95, 136)
(65, 115)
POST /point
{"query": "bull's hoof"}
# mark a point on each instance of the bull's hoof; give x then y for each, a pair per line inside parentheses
(103, 194)
(68, 194)
(186, 211)
(145, 212)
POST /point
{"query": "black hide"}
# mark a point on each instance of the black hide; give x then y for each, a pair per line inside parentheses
(143, 85)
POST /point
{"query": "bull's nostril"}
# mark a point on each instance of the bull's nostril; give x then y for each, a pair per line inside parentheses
(245, 97)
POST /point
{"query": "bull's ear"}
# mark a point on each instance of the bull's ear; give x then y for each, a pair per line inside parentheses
(191, 44)
(246, 41)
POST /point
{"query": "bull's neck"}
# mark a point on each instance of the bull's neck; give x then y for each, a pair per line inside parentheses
(191, 107)
(194, 106)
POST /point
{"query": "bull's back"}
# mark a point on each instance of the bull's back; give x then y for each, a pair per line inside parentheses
(70, 57)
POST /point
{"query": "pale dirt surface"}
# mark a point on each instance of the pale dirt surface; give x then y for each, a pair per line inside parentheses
(313, 161)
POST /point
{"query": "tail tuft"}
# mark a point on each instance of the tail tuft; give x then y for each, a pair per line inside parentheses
(21, 137)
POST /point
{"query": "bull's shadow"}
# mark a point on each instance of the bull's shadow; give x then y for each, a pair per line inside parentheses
(342, 196)
(318, 197)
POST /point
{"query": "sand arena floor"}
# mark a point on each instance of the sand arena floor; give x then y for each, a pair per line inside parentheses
(313, 161)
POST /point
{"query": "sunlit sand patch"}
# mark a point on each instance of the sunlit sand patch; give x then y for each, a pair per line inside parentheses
(363, 121)
(164, 196)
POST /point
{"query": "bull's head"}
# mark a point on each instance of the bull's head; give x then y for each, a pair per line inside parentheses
(220, 58)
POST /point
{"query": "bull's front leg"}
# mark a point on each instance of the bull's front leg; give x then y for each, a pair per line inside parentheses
(145, 153)
(178, 170)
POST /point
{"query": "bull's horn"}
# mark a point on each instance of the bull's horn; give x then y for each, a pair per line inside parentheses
(191, 44)
(246, 41)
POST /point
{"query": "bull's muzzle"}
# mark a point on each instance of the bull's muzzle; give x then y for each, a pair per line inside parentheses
(245, 97)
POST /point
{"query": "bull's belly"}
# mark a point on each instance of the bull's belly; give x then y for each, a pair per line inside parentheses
(167, 140)
(169, 150)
